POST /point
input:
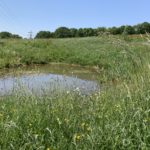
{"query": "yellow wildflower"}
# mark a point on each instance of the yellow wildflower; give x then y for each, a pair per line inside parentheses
(77, 137)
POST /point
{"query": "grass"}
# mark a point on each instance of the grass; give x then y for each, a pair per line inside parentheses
(104, 52)
(118, 117)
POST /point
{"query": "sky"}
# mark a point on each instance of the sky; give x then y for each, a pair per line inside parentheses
(23, 16)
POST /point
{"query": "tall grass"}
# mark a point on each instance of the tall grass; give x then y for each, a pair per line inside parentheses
(117, 117)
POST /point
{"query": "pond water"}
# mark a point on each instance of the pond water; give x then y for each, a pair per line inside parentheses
(39, 80)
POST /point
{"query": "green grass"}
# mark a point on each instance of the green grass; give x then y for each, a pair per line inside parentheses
(108, 53)
(118, 117)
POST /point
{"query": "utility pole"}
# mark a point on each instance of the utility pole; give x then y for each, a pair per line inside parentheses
(30, 34)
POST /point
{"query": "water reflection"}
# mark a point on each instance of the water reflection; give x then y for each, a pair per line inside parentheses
(44, 83)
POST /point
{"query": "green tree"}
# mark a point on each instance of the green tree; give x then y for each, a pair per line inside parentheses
(114, 30)
(16, 36)
(121, 29)
(43, 35)
(5, 35)
(129, 30)
(80, 32)
(62, 32)
(142, 28)
(88, 32)
(73, 32)
(100, 30)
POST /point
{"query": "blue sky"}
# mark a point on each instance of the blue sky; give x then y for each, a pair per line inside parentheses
(22, 16)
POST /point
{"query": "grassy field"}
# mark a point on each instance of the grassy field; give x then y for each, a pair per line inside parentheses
(118, 117)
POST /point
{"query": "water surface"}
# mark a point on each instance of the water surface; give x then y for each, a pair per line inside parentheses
(39, 80)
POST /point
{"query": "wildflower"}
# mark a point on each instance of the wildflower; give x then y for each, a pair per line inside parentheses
(76, 137)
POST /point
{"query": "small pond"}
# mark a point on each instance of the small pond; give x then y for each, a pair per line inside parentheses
(47, 79)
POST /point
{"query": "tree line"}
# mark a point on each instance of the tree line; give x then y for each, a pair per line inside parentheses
(64, 32)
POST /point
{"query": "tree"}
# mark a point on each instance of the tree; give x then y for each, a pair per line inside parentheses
(73, 32)
(129, 30)
(100, 30)
(88, 32)
(62, 32)
(5, 35)
(142, 28)
(121, 29)
(16, 36)
(80, 32)
(43, 35)
(114, 30)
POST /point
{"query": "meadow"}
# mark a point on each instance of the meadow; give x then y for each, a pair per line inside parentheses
(117, 117)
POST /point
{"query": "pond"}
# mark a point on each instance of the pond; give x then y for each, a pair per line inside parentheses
(47, 79)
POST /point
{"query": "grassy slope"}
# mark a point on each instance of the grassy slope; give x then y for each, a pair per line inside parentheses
(84, 51)
(109, 53)
(116, 118)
